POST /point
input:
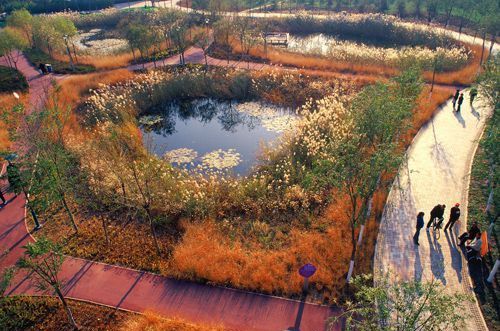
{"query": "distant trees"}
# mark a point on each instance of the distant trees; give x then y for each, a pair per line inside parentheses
(202, 40)
(22, 20)
(12, 43)
(149, 33)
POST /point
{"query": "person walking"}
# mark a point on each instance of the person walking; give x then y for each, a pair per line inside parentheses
(42, 68)
(472, 95)
(455, 98)
(436, 212)
(460, 101)
(454, 216)
(420, 225)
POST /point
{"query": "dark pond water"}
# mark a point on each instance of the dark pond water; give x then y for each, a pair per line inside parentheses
(214, 135)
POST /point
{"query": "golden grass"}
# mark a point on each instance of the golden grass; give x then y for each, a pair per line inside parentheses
(463, 76)
(102, 62)
(153, 322)
(74, 87)
(316, 62)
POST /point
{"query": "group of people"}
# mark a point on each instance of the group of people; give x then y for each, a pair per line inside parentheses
(458, 98)
(437, 215)
(45, 69)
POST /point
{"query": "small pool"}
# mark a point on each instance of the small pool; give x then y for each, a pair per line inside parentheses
(208, 134)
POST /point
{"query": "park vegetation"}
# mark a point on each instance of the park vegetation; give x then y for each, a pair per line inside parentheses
(102, 195)
(484, 201)
(398, 43)
(95, 176)
(45, 313)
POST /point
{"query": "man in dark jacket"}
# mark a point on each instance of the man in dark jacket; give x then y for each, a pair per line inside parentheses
(436, 212)
(471, 234)
(420, 225)
(454, 216)
(455, 98)
(460, 101)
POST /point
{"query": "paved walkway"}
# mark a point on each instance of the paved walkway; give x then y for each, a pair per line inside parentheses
(437, 171)
(139, 291)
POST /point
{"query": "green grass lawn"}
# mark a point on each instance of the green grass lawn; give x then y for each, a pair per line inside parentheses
(12, 80)
(36, 56)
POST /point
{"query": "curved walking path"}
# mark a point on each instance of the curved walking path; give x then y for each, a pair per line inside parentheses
(174, 4)
(138, 291)
(437, 171)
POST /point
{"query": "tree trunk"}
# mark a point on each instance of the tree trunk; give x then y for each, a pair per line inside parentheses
(105, 228)
(67, 309)
(133, 54)
(74, 52)
(70, 214)
(353, 253)
(124, 193)
(433, 76)
(448, 16)
(493, 36)
(482, 48)
(153, 232)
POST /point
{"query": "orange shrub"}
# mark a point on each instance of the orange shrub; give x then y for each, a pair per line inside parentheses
(464, 76)
(154, 322)
(205, 253)
(74, 87)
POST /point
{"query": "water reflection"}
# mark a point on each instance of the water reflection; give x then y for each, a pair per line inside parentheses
(209, 133)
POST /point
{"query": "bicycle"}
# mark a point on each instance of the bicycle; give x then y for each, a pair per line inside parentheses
(435, 226)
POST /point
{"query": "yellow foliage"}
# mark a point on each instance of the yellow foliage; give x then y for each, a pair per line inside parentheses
(154, 322)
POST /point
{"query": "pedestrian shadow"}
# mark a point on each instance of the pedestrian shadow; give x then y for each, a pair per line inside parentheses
(459, 118)
(437, 258)
(440, 156)
(456, 259)
(475, 113)
(3, 205)
(300, 313)
(418, 269)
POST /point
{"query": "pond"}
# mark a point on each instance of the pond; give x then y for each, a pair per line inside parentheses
(207, 134)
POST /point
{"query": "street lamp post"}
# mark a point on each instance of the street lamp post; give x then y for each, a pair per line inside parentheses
(306, 271)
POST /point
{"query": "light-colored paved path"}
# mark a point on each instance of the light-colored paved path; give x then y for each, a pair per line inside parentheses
(437, 171)
(139, 291)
